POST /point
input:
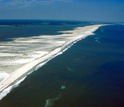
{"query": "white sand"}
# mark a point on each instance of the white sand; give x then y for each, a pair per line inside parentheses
(69, 39)
(3, 75)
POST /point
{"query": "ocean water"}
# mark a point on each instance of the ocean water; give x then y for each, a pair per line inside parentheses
(10, 29)
(89, 74)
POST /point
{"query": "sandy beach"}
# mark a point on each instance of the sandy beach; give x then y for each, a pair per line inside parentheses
(51, 50)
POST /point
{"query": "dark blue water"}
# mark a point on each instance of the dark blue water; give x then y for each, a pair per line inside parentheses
(91, 72)
(10, 29)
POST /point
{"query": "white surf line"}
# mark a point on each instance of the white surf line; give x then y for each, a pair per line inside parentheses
(8, 89)
(29, 66)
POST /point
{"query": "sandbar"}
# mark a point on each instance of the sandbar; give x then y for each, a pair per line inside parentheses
(48, 51)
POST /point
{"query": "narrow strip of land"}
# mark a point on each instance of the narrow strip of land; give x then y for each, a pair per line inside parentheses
(68, 39)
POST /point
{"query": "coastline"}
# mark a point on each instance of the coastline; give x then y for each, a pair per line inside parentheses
(76, 35)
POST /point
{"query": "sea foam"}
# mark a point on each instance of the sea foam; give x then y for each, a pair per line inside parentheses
(7, 90)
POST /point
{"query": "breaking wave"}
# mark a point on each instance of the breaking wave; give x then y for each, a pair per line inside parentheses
(7, 90)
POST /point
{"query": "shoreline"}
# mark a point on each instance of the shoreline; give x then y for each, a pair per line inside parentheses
(77, 34)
